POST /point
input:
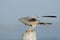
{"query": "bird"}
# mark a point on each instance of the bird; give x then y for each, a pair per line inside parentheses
(31, 21)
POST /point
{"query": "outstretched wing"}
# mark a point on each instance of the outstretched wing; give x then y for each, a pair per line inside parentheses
(42, 16)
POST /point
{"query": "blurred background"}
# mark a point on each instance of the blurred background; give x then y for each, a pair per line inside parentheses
(12, 10)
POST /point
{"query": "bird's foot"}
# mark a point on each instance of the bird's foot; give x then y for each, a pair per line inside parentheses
(30, 30)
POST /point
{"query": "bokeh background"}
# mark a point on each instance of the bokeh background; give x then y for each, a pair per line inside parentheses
(12, 10)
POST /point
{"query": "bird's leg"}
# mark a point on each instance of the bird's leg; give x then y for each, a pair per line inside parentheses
(30, 29)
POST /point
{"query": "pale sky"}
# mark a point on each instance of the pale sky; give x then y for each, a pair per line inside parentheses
(12, 10)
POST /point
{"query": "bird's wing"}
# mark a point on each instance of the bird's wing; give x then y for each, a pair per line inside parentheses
(45, 23)
(43, 16)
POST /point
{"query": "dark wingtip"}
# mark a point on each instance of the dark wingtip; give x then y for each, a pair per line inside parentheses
(46, 23)
(50, 16)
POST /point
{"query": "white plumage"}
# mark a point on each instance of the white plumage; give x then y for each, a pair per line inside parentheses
(31, 21)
